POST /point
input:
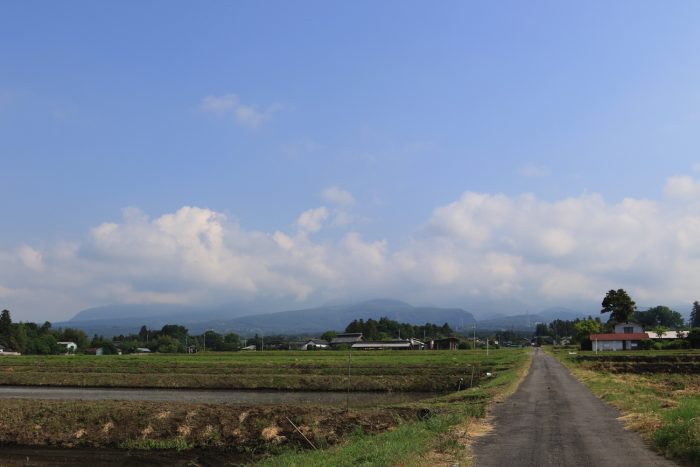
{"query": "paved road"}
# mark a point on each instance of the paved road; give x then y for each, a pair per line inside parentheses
(553, 420)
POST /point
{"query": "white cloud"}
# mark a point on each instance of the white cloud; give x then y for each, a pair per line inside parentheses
(682, 187)
(244, 115)
(479, 246)
(338, 196)
(31, 258)
(535, 171)
(312, 220)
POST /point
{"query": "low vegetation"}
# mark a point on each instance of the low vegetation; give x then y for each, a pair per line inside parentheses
(656, 393)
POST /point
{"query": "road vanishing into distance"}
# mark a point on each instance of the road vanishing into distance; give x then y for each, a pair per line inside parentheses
(553, 420)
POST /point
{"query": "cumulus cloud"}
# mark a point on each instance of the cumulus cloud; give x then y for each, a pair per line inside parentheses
(479, 246)
(244, 115)
(312, 220)
(682, 187)
(338, 196)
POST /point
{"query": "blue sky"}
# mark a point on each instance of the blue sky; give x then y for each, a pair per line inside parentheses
(376, 119)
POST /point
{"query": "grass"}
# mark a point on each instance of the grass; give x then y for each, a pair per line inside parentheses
(663, 406)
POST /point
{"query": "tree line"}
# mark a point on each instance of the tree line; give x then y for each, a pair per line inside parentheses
(385, 329)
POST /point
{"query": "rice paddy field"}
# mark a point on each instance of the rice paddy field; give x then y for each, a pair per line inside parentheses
(462, 383)
(403, 371)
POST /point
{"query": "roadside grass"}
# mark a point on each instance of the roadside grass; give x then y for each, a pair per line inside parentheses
(400, 446)
(664, 408)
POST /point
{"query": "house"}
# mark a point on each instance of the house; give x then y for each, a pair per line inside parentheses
(315, 344)
(347, 339)
(405, 344)
(448, 343)
(626, 337)
(70, 346)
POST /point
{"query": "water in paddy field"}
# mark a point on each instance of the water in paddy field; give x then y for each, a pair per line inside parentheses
(219, 396)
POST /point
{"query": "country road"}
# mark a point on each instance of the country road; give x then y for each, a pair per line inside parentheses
(554, 420)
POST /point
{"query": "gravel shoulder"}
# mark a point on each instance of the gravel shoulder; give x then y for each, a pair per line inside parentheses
(554, 420)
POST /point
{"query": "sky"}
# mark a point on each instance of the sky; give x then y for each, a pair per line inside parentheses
(446, 153)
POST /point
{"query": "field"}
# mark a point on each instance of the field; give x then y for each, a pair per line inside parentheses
(658, 393)
(272, 434)
(427, 371)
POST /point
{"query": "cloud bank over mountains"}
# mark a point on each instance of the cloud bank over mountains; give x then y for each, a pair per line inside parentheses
(479, 247)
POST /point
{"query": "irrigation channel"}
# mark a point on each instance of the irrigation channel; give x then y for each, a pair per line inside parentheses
(215, 396)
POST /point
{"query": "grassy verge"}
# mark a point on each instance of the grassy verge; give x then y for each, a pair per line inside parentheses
(663, 407)
(436, 439)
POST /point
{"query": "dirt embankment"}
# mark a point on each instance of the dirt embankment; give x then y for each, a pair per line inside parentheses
(158, 425)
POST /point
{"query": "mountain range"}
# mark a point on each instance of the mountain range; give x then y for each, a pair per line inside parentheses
(124, 319)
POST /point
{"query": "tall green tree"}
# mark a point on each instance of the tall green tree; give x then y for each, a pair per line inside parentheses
(586, 327)
(659, 316)
(695, 315)
(620, 306)
(5, 327)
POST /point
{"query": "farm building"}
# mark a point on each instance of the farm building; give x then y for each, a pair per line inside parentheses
(668, 335)
(626, 337)
(4, 351)
(315, 344)
(407, 344)
(348, 339)
(448, 343)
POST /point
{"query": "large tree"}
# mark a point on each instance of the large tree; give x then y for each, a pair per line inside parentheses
(620, 306)
(659, 316)
(695, 315)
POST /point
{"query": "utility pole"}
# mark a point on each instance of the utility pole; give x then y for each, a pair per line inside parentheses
(474, 326)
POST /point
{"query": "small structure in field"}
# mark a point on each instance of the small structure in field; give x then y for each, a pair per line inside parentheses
(142, 350)
(8, 353)
(249, 348)
(448, 343)
(315, 344)
(626, 337)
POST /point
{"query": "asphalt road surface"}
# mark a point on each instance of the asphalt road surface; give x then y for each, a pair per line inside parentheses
(554, 420)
